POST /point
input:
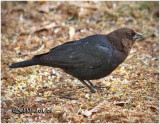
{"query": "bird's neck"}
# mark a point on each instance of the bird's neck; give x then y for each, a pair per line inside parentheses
(117, 43)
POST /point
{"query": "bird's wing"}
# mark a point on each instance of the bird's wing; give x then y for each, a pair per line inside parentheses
(88, 52)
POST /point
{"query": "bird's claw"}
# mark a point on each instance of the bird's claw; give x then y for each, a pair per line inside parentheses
(96, 86)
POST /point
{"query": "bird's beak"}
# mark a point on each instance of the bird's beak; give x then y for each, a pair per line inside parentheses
(138, 37)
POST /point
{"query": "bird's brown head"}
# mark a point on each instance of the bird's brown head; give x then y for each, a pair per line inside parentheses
(124, 38)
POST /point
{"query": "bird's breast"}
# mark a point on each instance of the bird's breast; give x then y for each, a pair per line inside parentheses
(118, 57)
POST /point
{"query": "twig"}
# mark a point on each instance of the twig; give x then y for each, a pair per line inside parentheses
(33, 52)
(66, 97)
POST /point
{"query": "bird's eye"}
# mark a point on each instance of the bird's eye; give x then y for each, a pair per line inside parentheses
(129, 35)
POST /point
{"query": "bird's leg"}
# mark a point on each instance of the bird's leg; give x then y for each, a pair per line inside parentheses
(95, 86)
(91, 89)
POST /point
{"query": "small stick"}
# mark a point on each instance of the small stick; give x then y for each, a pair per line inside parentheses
(33, 52)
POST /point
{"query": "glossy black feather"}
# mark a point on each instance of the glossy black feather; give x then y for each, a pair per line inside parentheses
(89, 58)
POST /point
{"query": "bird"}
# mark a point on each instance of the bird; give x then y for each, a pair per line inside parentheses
(89, 58)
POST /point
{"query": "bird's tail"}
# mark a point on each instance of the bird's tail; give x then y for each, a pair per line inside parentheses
(24, 64)
(34, 61)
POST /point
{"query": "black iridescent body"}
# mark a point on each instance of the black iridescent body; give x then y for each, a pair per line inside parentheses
(89, 58)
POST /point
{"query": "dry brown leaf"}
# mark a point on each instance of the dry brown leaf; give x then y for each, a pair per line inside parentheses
(46, 27)
(95, 16)
(154, 108)
(84, 5)
(38, 29)
(83, 12)
(44, 8)
(95, 109)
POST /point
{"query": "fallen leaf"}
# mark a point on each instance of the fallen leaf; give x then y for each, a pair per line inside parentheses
(44, 8)
(95, 16)
(154, 108)
(95, 109)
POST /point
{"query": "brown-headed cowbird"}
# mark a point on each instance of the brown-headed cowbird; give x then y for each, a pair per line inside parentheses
(89, 58)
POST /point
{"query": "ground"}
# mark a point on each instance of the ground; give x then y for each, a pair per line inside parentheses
(29, 28)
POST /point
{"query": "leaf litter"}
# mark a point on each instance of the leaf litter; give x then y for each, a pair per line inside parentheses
(30, 28)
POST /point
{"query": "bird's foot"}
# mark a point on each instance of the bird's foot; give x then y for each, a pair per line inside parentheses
(104, 87)
(91, 89)
(97, 86)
